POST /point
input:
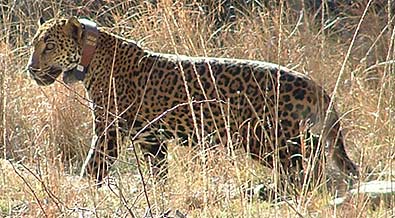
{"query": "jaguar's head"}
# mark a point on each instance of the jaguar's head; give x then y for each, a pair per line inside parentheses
(56, 48)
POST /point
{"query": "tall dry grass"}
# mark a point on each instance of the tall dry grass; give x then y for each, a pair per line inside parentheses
(46, 131)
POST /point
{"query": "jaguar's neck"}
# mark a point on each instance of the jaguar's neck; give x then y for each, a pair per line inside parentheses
(114, 57)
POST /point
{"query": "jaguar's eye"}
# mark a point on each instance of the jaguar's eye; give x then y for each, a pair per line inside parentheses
(49, 46)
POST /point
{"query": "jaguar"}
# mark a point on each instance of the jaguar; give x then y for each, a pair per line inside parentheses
(150, 96)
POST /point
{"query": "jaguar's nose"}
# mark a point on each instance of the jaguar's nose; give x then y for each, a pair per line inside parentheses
(33, 65)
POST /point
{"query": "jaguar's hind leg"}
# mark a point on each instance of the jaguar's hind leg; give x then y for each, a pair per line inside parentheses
(155, 155)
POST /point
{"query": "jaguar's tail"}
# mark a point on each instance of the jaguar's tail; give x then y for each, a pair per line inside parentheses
(334, 136)
(327, 123)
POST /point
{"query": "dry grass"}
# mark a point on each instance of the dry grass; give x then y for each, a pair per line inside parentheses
(46, 131)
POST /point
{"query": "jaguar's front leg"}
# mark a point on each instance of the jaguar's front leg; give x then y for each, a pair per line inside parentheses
(102, 154)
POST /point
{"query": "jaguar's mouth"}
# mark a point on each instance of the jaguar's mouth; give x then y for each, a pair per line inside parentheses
(45, 77)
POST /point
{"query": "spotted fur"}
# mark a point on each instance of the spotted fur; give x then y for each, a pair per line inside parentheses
(262, 105)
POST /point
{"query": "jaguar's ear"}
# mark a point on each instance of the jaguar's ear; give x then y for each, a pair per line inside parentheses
(73, 28)
(41, 21)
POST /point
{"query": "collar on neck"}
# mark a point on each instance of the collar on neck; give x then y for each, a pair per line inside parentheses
(89, 42)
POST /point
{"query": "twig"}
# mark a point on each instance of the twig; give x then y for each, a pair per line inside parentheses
(142, 177)
(147, 126)
(123, 199)
(50, 194)
(30, 188)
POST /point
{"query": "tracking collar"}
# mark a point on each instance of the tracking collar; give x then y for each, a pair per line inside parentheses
(89, 43)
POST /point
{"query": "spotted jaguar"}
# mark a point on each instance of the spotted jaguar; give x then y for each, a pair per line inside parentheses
(150, 96)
